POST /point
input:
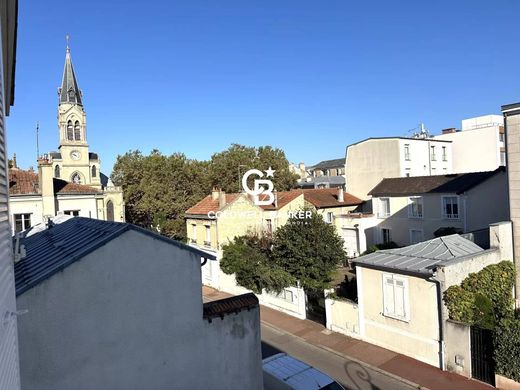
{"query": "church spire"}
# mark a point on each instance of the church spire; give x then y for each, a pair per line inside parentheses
(69, 91)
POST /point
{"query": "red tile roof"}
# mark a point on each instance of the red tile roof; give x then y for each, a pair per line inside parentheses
(62, 187)
(22, 182)
(26, 183)
(319, 198)
(230, 305)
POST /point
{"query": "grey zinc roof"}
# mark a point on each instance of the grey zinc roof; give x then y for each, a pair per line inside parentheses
(423, 257)
(338, 162)
(52, 250)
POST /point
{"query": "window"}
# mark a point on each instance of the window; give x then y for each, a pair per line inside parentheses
(110, 211)
(450, 207)
(57, 171)
(503, 158)
(70, 131)
(416, 236)
(74, 213)
(395, 297)
(76, 178)
(269, 225)
(415, 207)
(407, 152)
(207, 241)
(384, 207)
(433, 157)
(22, 222)
(94, 171)
(444, 154)
(193, 233)
(407, 172)
(385, 235)
(501, 137)
(77, 132)
(329, 217)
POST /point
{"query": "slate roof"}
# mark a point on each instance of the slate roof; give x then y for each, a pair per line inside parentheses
(455, 183)
(55, 248)
(22, 182)
(330, 180)
(328, 164)
(421, 258)
(69, 91)
(57, 156)
(320, 198)
(231, 305)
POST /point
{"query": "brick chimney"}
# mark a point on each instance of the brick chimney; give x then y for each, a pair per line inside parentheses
(449, 131)
(341, 197)
(46, 182)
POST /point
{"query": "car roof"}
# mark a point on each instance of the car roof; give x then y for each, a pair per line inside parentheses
(295, 373)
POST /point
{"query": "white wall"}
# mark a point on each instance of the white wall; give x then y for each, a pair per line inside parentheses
(26, 204)
(129, 316)
(85, 203)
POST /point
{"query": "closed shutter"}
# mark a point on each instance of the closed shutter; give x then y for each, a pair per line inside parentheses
(399, 298)
(9, 370)
(388, 295)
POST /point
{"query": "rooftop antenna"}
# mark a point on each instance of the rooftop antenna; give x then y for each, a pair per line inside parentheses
(37, 140)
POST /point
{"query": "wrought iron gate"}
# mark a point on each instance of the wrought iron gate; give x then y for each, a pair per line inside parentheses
(482, 363)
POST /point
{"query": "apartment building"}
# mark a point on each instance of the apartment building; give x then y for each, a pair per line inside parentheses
(479, 145)
(413, 209)
(374, 159)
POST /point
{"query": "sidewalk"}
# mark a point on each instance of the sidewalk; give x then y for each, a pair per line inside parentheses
(396, 364)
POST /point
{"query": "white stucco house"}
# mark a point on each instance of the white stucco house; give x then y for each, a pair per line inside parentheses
(113, 306)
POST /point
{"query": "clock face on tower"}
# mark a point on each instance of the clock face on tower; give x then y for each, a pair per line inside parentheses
(75, 155)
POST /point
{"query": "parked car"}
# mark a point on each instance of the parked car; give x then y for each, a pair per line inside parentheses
(283, 372)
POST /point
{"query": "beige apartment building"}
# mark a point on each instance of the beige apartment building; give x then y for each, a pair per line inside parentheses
(479, 145)
(512, 128)
(374, 159)
(69, 181)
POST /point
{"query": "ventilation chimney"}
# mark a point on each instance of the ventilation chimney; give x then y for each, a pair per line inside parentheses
(341, 197)
(221, 199)
(215, 193)
(449, 131)
(275, 193)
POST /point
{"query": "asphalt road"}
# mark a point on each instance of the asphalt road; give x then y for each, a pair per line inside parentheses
(352, 375)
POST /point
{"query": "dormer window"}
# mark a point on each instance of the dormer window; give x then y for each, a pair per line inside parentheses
(77, 132)
(70, 131)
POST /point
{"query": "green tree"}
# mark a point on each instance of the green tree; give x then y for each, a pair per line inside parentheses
(227, 167)
(158, 189)
(305, 250)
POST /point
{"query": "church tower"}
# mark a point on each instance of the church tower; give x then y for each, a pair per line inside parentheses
(77, 164)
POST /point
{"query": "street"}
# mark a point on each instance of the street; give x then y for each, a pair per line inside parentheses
(349, 373)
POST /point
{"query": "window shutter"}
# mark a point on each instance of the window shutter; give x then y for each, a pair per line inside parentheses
(388, 295)
(399, 298)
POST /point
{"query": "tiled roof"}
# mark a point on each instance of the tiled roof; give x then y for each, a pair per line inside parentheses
(421, 258)
(231, 305)
(63, 187)
(327, 164)
(55, 248)
(22, 182)
(320, 198)
(455, 183)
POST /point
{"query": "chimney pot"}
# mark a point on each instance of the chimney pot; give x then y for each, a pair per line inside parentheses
(341, 197)
(221, 199)
(215, 193)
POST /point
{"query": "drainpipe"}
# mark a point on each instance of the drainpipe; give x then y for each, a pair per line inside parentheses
(440, 313)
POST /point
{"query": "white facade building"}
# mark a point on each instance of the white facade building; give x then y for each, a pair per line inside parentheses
(374, 159)
(9, 367)
(479, 145)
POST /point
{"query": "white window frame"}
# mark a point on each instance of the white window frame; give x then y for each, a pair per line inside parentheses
(411, 236)
(193, 232)
(269, 225)
(433, 156)
(207, 241)
(444, 153)
(383, 236)
(443, 208)
(389, 307)
(329, 217)
(382, 212)
(24, 221)
(411, 213)
(407, 156)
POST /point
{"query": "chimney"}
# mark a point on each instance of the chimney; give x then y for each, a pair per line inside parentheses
(46, 184)
(15, 165)
(221, 199)
(275, 193)
(215, 193)
(341, 197)
(449, 131)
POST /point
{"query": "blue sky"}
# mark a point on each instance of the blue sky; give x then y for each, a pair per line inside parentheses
(309, 77)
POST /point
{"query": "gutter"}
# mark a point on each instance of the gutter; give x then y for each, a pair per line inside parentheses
(440, 314)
